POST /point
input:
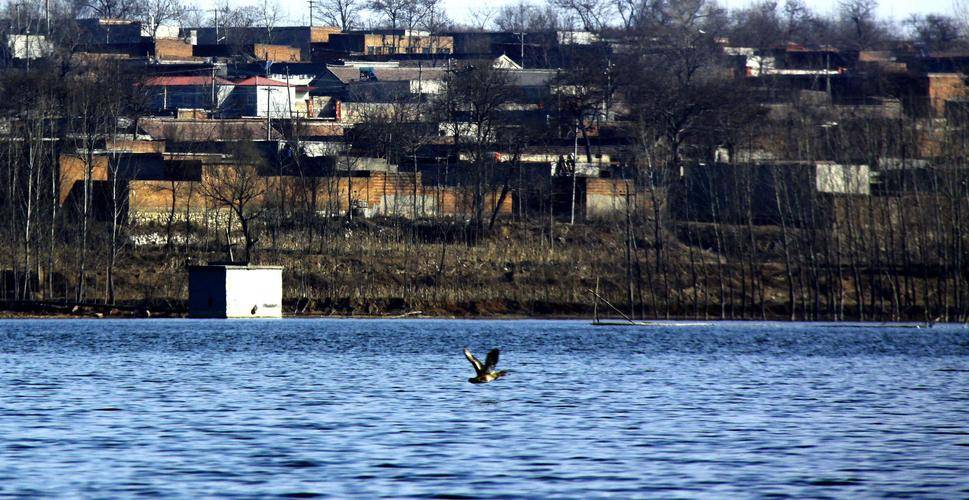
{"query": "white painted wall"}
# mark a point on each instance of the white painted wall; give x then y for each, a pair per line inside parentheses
(235, 291)
(843, 179)
(254, 292)
(275, 101)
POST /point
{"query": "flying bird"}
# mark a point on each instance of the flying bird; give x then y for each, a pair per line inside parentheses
(484, 373)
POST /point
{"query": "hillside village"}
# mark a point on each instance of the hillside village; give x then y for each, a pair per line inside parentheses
(687, 167)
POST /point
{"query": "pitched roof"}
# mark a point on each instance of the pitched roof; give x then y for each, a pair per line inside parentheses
(408, 74)
(260, 81)
(176, 81)
(345, 74)
(350, 74)
(203, 130)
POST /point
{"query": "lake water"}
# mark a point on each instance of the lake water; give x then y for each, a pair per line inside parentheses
(105, 408)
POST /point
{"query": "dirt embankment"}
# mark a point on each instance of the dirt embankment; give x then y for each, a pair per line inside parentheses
(388, 268)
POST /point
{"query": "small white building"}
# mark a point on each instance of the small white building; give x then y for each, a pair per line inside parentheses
(260, 96)
(235, 291)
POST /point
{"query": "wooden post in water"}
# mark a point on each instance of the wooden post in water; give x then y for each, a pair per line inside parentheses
(614, 308)
(595, 304)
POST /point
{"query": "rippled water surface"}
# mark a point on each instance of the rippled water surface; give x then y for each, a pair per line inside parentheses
(383, 408)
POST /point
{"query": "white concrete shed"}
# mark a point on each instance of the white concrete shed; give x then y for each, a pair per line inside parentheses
(235, 291)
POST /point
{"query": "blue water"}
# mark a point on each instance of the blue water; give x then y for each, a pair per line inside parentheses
(98, 408)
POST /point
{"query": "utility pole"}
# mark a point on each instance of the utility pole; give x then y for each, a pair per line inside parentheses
(311, 2)
(215, 102)
(27, 32)
(269, 115)
(289, 104)
(215, 19)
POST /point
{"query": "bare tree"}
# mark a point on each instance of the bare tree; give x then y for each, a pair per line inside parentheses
(594, 14)
(100, 99)
(960, 10)
(194, 16)
(435, 19)
(476, 94)
(481, 16)
(226, 16)
(155, 13)
(524, 17)
(935, 32)
(112, 9)
(269, 16)
(393, 12)
(861, 27)
(239, 188)
(760, 26)
(343, 14)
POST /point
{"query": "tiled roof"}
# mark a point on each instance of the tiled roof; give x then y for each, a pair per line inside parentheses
(350, 74)
(345, 74)
(176, 81)
(407, 74)
(260, 81)
(203, 130)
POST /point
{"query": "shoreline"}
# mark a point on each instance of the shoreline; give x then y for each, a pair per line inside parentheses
(608, 321)
(472, 310)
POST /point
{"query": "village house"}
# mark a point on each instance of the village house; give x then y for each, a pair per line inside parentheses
(302, 38)
(170, 93)
(390, 42)
(262, 97)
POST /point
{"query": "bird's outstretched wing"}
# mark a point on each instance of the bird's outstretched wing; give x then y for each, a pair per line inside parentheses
(491, 361)
(478, 368)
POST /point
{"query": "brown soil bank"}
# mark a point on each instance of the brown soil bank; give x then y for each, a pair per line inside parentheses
(394, 267)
